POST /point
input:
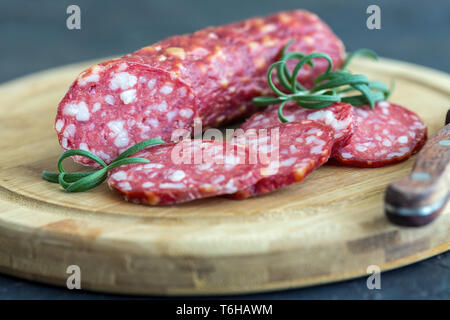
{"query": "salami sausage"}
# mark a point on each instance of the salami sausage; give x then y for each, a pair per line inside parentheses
(338, 117)
(207, 77)
(185, 171)
(385, 135)
(295, 151)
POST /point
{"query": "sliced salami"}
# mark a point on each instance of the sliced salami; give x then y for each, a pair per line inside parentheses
(208, 77)
(338, 117)
(287, 153)
(385, 135)
(185, 171)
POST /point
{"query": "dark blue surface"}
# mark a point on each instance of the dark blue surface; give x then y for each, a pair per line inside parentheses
(34, 37)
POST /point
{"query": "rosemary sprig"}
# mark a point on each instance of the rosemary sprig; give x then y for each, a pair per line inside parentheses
(329, 87)
(82, 181)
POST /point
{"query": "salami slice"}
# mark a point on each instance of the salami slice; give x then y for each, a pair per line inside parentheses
(385, 135)
(286, 154)
(338, 117)
(185, 171)
(207, 77)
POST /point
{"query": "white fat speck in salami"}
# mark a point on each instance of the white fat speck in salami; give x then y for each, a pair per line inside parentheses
(178, 175)
(360, 148)
(83, 146)
(128, 96)
(346, 155)
(59, 124)
(122, 140)
(186, 113)
(288, 162)
(153, 122)
(79, 110)
(122, 80)
(121, 134)
(169, 185)
(69, 131)
(219, 179)
(204, 166)
(96, 107)
(116, 126)
(317, 149)
(119, 175)
(161, 107)
(153, 165)
(125, 186)
(386, 142)
(64, 143)
(171, 115)
(109, 99)
(147, 184)
(151, 83)
(383, 136)
(166, 89)
(90, 78)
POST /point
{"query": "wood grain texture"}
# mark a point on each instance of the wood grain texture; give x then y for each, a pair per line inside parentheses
(329, 227)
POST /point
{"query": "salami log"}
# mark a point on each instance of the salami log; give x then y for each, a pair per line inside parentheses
(293, 152)
(207, 77)
(385, 135)
(338, 117)
(185, 171)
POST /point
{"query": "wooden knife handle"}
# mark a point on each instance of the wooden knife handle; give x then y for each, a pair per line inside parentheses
(418, 199)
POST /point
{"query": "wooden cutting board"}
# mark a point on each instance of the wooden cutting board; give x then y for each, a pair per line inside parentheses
(328, 228)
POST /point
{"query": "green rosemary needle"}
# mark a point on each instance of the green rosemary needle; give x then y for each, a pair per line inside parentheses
(329, 87)
(82, 181)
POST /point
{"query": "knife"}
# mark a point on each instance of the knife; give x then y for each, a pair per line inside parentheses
(419, 198)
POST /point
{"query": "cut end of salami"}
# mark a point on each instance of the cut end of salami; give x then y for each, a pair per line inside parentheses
(286, 154)
(338, 117)
(385, 135)
(117, 104)
(185, 171)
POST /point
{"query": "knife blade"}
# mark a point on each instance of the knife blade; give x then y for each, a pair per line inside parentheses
(419, 198)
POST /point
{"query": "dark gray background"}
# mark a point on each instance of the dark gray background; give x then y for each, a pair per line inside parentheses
(34, 37)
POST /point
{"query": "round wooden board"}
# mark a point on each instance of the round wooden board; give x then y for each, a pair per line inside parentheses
(328, 228)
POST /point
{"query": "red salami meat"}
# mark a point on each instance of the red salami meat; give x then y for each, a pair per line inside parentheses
(286, 154)
(385, 135)
(185, 171)
(338, 117)
(207, 77)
